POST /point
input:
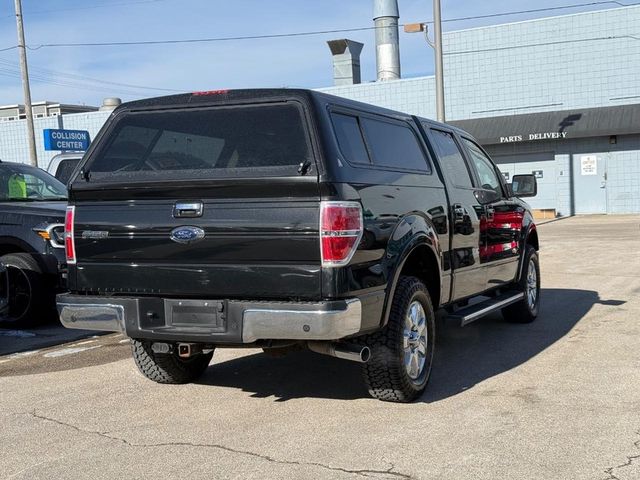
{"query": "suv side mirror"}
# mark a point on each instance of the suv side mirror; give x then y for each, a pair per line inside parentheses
(524, 186)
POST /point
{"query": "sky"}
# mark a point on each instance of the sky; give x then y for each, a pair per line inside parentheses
(69, 74)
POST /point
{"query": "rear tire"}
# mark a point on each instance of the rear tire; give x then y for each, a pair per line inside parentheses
(526, 310)
(168, 368)
(402, 352)
(31, 293)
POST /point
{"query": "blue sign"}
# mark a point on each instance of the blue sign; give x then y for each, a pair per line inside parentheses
(68, 140)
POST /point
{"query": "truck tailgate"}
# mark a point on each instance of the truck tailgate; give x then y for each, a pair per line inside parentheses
(268, 248)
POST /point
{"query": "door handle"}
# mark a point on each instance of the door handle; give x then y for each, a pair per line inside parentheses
(489, 212)
(458, 213)
(187, 210)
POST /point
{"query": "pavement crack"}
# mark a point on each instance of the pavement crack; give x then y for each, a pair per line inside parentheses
(371, 473)
(610, 471)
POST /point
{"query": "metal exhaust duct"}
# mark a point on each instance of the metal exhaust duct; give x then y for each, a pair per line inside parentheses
(346, 61)
(385, 17)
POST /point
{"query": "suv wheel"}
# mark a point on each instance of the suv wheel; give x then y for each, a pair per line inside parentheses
(31, 300)
(526, 310)
(168, 367)
(402, 352)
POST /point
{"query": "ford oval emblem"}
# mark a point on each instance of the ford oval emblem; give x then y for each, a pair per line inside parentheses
(187, 234)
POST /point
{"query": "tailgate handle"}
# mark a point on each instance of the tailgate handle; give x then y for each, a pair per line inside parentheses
(187, 209)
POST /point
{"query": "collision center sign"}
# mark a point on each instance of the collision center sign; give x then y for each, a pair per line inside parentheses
(74, 140)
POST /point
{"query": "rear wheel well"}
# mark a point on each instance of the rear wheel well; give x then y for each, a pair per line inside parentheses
(7, 248)
(422, 263)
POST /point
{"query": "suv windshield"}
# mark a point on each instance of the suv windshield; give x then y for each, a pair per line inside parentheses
(24, 183)
(231, 141)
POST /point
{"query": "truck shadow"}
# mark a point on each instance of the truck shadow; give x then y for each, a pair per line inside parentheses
(464, 356)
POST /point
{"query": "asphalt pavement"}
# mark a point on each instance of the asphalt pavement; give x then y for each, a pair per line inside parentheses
(556, 399)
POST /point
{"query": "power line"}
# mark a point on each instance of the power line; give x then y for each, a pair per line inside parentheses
(68, 80)
(543, 44)
(539, 10)
(35, 78)
(73, 77)
(311, 33)
(86, 7)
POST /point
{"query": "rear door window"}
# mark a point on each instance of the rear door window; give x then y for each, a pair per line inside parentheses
(394, 145)
(453, 164)
(230, 141)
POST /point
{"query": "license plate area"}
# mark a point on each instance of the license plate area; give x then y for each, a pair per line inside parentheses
(207, 314)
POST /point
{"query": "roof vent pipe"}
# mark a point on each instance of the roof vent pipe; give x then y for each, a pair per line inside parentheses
(385, 17)
(110, 104)
(346, 61)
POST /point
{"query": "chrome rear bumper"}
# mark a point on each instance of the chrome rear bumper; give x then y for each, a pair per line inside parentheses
(89, 316)
(239, 322)
(313, 323)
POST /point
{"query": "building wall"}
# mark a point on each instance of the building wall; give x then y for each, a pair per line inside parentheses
(556, 63)
(560, 63)
(13, 145)
(622, 169)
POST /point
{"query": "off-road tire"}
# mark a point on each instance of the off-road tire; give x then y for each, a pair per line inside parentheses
(35, 284)
(385, 374)
(523, 311)
(168, 368)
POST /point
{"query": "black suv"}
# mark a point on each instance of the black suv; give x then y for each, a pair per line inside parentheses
(32, 206)
(281, 218)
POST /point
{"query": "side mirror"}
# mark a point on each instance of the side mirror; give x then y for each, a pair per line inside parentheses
(524, 186)
(486, 196)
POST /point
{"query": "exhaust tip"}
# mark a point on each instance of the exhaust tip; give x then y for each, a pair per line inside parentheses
(365, 354)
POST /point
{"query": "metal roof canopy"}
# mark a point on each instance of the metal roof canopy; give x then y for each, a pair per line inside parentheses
(576, 123)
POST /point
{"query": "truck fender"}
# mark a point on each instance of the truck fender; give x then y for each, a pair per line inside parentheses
(529, 235)
(412, 232)
(10, 244)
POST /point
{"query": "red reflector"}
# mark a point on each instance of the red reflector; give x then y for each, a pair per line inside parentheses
(69, 242)
(341, 229)
(209, 92)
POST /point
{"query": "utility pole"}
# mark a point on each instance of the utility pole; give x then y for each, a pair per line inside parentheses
(436, 44)
(437, 40)
(22, 49)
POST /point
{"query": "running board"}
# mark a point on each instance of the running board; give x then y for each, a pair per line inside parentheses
(479, 310)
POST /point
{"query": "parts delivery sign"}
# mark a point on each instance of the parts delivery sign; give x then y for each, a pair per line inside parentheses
(66, 140)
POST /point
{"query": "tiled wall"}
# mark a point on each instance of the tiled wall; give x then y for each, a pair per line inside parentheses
(563, 185)
(552, 69)
(623, 182)
(623, 168)
(555, 67)
(13, 145)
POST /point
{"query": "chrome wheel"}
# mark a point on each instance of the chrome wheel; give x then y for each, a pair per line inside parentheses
(415, 340)
(532, 285)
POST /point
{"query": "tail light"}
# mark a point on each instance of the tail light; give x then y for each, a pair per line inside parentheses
(341, 229)
(69, 242)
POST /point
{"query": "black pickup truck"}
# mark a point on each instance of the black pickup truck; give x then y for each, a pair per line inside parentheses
(285, 218)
